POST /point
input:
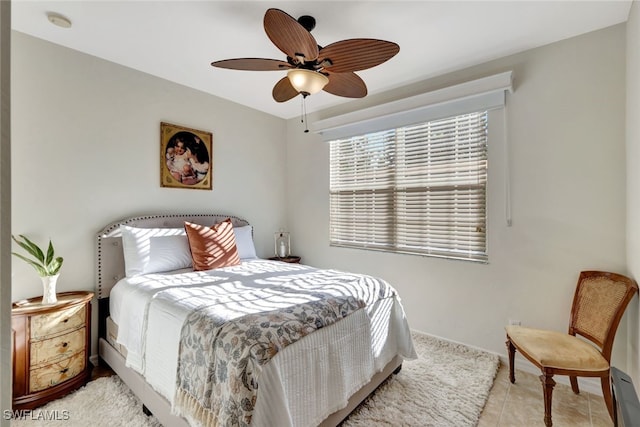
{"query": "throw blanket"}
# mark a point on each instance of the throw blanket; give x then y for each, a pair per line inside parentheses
(226, 341)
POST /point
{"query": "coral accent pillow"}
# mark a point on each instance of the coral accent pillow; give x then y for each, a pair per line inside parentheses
(212, 247)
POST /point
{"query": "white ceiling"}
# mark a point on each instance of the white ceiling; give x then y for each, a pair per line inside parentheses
(177, 40)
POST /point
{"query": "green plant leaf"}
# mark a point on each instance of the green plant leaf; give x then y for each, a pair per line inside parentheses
(39, 268)
(54, 266)
(48, 266)
(30, 247)
(50, 253)
(38, 252)
(24, 246)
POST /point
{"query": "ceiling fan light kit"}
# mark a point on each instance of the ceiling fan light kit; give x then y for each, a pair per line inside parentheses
(312, 68)
(307, 82)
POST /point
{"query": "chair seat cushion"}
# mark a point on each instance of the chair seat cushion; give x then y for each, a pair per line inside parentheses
(559, 350)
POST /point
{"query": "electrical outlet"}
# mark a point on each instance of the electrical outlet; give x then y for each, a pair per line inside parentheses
(514, 322)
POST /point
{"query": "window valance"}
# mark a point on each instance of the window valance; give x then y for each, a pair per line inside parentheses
(486, 93)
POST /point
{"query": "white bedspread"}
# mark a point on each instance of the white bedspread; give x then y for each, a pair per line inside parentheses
(303, 383)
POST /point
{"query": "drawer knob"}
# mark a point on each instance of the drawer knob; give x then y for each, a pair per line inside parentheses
(65, 320)
(62, 371)
(64, 344)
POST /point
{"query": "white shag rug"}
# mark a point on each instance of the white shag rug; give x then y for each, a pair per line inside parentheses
(104, 402)
(447, 385)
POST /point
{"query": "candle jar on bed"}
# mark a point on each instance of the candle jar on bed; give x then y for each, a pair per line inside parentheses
(282, 244)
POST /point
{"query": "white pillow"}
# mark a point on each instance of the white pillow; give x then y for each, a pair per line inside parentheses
(244, 242)
(154, 250)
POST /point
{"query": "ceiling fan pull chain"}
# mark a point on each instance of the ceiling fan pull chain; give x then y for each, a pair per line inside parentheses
(303, 113)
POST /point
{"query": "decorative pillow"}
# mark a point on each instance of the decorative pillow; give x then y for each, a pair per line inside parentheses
(154, 250)
(212, 247)
(244, 242)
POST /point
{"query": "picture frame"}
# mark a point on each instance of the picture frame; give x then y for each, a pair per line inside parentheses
(186, 157)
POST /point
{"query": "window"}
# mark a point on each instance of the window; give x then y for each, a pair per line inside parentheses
(418, 189)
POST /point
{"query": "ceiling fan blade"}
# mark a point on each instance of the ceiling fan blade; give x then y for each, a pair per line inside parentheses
(357, 54)
(252, 64)
(283, 91)
(289, 36)
(348, 84)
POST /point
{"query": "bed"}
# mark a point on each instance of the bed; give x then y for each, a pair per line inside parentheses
(151, 326)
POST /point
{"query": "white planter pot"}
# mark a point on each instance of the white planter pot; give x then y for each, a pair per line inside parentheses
(49, 289)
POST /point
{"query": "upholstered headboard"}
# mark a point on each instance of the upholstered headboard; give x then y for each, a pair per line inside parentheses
(109, 255)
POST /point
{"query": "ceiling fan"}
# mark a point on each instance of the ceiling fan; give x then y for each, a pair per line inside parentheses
(312, 68)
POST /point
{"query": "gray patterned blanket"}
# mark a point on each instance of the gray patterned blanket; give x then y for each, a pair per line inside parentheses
(228, 338)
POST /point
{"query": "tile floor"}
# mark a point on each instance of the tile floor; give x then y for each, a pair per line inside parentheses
(521, 404)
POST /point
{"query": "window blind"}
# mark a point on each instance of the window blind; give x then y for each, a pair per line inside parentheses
(417, 189)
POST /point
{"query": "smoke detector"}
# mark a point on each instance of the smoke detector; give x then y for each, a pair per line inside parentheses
(58, 20)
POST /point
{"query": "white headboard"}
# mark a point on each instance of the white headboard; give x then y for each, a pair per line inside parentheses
(109, 255)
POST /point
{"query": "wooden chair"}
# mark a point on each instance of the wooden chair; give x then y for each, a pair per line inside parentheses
(598, 304)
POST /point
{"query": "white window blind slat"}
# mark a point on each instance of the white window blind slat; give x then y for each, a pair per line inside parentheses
(417, 189)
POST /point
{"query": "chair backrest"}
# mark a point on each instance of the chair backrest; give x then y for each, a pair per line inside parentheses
(598, 305)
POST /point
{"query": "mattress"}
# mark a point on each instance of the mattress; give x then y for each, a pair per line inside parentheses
(112, 337)
(325, 367)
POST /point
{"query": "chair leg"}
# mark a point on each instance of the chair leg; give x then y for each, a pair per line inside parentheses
(606, 392)
(511, 349)
(574, 384)
(547, 390)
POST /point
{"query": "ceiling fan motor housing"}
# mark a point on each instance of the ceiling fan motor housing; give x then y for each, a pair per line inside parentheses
(308, 22)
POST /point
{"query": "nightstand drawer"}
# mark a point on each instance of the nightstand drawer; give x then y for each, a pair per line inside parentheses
(50, 375)
(45, 325)
(58, 348)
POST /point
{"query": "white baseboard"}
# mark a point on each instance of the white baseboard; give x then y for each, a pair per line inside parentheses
(94, 360)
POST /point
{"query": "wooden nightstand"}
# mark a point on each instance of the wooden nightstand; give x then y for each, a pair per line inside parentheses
(51, 345)
(291, 258)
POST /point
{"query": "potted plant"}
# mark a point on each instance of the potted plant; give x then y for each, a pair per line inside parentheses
(47, 266)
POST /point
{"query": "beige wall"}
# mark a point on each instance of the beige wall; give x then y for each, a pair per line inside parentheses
(86, 136)
(565, 132)
(633, 182)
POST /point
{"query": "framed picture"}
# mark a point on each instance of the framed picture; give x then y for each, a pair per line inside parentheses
(186, 157)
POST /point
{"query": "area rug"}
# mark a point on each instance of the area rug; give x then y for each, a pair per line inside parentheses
(447, 386)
